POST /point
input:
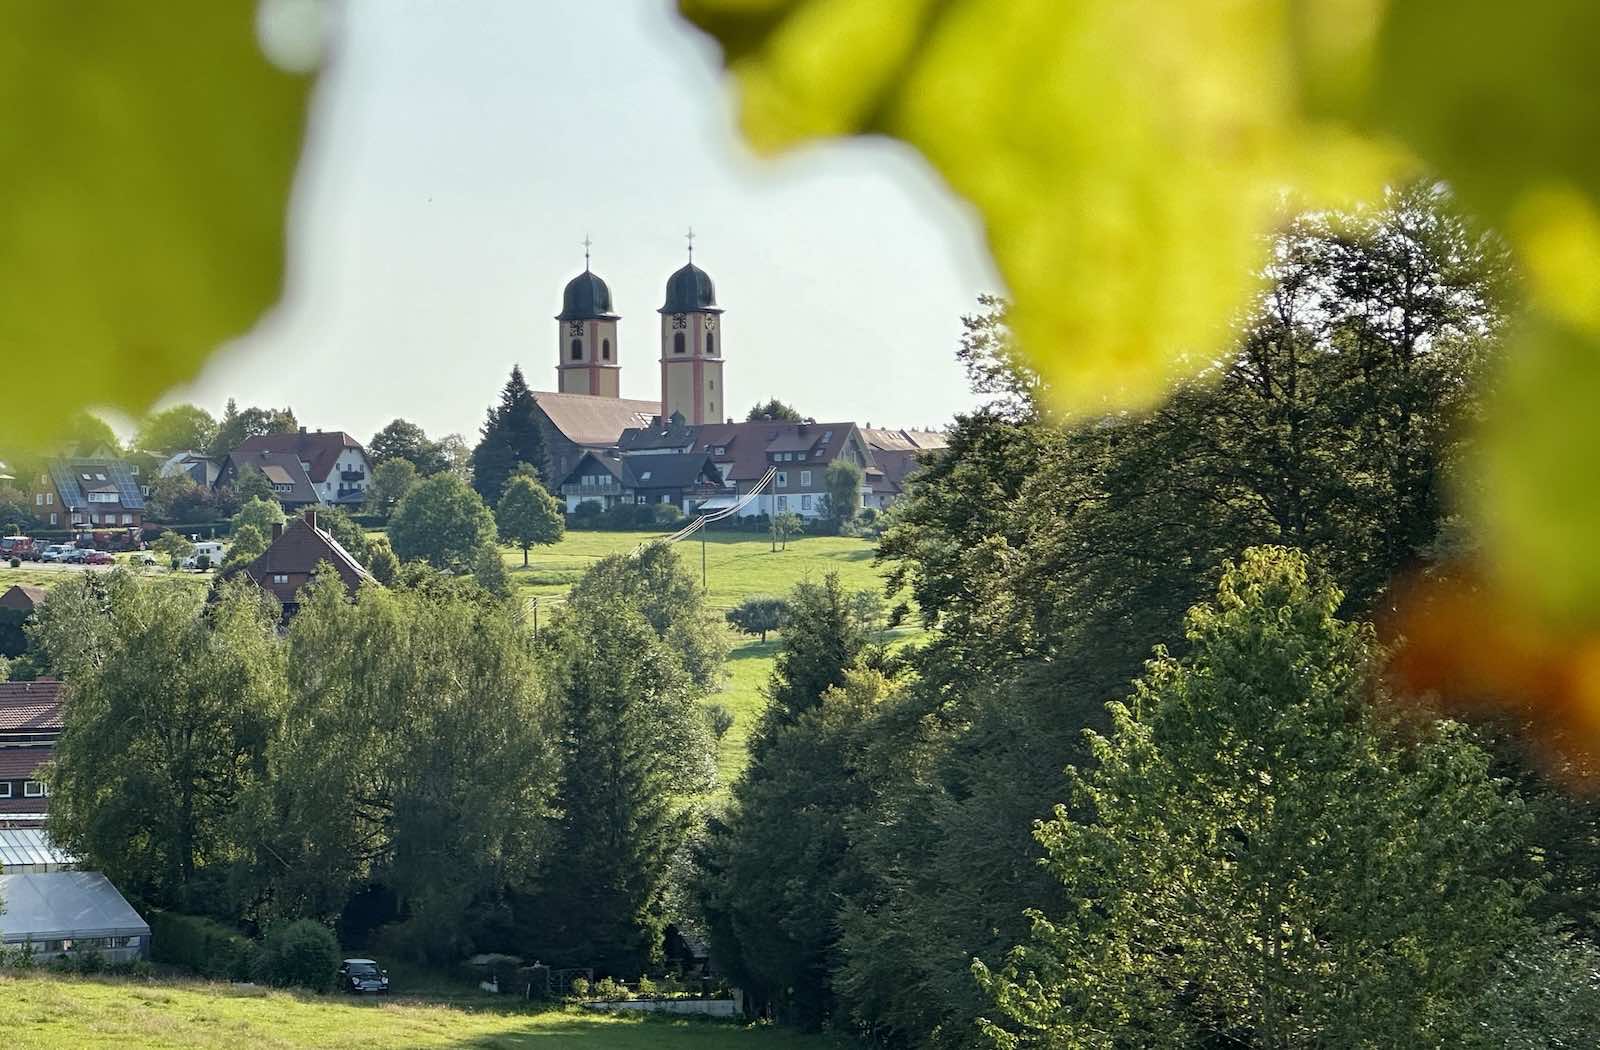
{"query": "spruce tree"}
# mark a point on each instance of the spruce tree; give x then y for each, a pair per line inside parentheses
(511, 435)
(634, 747)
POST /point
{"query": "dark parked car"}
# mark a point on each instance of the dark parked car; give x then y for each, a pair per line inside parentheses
(362, 975)
(76, 556)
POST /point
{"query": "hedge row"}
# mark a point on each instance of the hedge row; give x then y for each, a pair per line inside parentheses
(201, 945)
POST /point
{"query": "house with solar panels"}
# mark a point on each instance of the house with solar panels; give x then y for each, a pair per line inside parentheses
(89, 495)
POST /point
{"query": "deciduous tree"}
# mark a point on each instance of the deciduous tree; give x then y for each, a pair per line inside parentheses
(1258, 848)
(443, 522)
(181, 428)
(528, 515)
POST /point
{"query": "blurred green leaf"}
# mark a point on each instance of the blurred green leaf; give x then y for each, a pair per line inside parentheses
(1126, 158)
(147, 157)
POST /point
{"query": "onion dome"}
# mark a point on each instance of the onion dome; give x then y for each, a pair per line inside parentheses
(586, 298)
(689, 291)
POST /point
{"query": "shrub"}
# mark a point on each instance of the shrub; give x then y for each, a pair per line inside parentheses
(580, 987)
(300, 954)
(16, 563)
(647, 986)
(609, 989)
(667, 513)
(87, 962)
(201, 945)
(203, 562)
(721, 719)
(586, 515)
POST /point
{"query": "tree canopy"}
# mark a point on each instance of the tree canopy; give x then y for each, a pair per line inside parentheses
(773, 409)
(443, 522)
(403, 440)
(527, 515)
(181, 428)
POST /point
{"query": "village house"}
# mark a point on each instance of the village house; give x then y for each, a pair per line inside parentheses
(683, 479)
(297, 549)
(22, 598)
(896, 455)
(84, 493)
(305, 468)
(30, 726)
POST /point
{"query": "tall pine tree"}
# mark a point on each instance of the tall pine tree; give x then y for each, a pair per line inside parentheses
(635, 749)
(511, 435)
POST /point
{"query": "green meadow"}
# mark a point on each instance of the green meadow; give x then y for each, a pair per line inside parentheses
(39, 1012)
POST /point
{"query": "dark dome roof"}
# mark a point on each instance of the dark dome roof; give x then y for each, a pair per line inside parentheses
(586, 298)
(690, 290)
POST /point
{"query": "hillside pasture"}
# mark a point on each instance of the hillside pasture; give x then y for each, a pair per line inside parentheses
(44, 1012)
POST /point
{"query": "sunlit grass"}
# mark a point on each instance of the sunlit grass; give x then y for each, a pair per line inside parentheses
(40, 1012)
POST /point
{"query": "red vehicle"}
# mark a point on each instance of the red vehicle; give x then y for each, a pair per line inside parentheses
(98, 558)
(16, 547)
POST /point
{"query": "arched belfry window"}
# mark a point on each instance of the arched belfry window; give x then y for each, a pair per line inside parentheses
(577, 349)
(678, 344)
(711, 346)
(605, 349)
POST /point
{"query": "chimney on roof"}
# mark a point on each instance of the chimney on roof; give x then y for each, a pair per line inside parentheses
(311, 516)
(277, 530)
(302, 430)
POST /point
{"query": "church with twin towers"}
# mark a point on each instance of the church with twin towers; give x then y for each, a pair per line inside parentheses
(685, 447)
(590, 352)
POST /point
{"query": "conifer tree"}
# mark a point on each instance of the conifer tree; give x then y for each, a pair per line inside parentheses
(634, 748)
(511, 435)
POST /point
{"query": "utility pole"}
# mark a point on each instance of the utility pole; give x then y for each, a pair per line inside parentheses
(704, 589)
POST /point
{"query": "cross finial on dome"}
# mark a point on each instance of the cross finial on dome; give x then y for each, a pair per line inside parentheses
(690, 237)
(586, 243)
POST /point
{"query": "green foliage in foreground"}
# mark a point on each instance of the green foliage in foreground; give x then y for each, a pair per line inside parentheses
(39, 1012)
(1263, 852)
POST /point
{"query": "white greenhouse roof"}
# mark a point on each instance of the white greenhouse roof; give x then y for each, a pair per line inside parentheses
(50, 906)
(31, 847)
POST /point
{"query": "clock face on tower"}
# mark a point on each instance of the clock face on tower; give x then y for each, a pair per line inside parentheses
(679, 321)
(574, 327)
(711, 323)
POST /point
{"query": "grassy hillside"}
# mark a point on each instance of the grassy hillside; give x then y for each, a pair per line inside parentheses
(737, 564)
(58, 1013)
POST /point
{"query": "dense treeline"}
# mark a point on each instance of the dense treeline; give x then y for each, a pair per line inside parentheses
(1156, 904)
(410, 763)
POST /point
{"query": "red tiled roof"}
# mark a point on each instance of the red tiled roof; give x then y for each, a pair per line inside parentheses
(26, 706)
(19, 763)
(288, 463)
(747, 444)
(882, 439)
(22, 597)
(320, 448)
(296, 555)
(19, 804)
(598, 421)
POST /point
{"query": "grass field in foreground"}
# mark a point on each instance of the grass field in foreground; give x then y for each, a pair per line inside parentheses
(63, 1013)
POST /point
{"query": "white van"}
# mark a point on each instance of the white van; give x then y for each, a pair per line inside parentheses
(211, 549)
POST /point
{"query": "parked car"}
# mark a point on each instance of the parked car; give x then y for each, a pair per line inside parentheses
(362, 975)
(75, 556)
(98, 558)
(19, 547)
(57, 552)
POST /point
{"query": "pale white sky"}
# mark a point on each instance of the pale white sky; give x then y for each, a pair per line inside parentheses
(460, 153)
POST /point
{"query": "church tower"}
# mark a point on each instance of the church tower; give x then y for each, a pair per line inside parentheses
(586, 339)
(691, 347)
